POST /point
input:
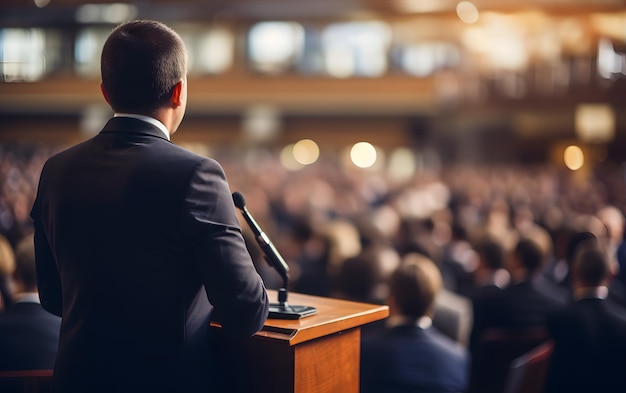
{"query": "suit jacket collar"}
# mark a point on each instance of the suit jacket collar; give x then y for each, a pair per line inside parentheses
(129, 125)
(27, 297)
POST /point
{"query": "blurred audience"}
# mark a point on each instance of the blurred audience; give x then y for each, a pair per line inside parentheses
(360, 278)
(7, 266)
(490, 278)
(29, 335)
(613, 220)
(411, 355)
(525, 302)
(589, 335)
(503, 237)
(459, 261)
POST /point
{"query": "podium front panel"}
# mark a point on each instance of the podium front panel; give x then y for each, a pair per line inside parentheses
(319, 354)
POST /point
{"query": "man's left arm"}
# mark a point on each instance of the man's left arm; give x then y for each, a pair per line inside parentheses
(48, 278)
(232, 283)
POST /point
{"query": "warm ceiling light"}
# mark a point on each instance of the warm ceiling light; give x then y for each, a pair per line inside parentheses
(306, 151)
(595, 123)
(573, 157)
(41, 3)
(363, 154)
(420, 6)
(467, 12)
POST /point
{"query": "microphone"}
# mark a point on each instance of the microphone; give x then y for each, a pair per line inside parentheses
(271, 253)
(280, 310)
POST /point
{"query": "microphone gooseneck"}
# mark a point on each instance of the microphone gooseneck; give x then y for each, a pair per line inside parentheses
(271, 253)
(281, 310)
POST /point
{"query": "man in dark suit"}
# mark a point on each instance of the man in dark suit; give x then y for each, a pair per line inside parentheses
(490, 278)
(137, 240)
(29, 335)
(518, 310)
(525, 303)
(410, 355)
(590, 334)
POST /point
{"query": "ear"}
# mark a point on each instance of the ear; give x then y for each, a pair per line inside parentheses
(613, 269)
(177, 94)
(393, 305)
(105, 94)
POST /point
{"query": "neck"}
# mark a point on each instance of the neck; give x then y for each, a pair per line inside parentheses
(591, 292)
(520, 275)
(500, 278)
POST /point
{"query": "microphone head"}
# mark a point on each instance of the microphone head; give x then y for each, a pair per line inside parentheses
(239, 200)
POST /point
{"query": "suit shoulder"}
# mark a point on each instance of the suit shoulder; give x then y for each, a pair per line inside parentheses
(446, 344)
(69, 151)
(616, 311)
(197, 159)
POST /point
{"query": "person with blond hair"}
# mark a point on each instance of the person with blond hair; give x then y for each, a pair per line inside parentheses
(29, 335)
(7, 266)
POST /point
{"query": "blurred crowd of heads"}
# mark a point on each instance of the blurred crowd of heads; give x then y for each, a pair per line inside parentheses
(343, 232)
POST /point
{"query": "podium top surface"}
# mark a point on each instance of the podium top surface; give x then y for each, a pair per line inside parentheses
(333, 315)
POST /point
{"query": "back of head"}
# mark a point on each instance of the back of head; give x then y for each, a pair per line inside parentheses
(613, 218)
(359, 276)
(141, 63)
(530, 255)
(576, 241)
(492, 253)
(25, 263)
(414, 285)
(590, 268)
(7, 257)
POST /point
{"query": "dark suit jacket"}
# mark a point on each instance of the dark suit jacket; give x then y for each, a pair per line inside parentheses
(522, 305)
(133, 237)
(482, 299)
(411, 359)
(589, 348)
(29, 337)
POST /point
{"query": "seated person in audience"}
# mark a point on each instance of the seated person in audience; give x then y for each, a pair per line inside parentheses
(453, 316)
(7, 266)
(359, 277)
(410, 354)
(490, 278)
(573, 241)
(590, 334)
(29, 335)
(524, 303)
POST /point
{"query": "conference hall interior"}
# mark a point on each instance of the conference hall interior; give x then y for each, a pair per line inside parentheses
(368, 134)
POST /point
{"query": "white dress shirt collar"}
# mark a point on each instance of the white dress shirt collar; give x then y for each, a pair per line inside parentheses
(591, 293)
(27, 297)
(399, 320)
(147, 119)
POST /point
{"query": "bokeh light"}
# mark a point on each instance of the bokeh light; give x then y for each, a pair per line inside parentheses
(306, 151)
(41, 3)
(288, 160)
(363, 154)
(402, 164)
(573, 157)
(467, 12)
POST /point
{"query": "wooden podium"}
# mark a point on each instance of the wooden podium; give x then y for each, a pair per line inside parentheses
(318, 353)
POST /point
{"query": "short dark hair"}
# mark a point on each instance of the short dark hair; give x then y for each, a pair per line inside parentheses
(590, 267)
(141, 63)
(529, 254)
(358, 277)
(576, 241)
(492, 253)
(414, 285)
